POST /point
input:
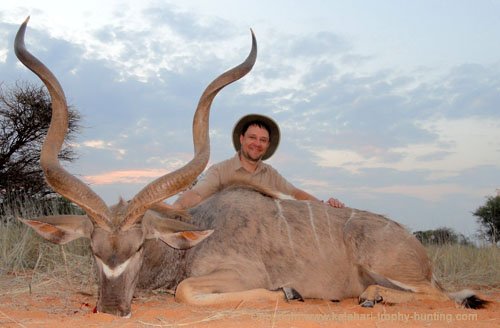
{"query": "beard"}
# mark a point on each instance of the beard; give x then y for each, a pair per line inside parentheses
(249, 157)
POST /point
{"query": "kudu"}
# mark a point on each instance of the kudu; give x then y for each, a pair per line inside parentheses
(260, 246)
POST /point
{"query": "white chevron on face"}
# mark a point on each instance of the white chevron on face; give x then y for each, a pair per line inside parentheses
(112, 273)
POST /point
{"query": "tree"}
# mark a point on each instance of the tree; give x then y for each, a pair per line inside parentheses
(440, 236)
(25, 112)
(488, 216)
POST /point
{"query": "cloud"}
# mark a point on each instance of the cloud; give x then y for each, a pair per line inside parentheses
(460, 144)
(434, 193)
(3, 55)
(126, 176)
(103, 145)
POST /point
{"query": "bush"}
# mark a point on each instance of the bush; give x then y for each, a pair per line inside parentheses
(441, 236)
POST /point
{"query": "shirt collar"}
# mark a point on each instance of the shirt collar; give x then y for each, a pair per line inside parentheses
(236, 163)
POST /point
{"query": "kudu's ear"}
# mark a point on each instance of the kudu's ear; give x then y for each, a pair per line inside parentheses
(61, 229)
(174, 233)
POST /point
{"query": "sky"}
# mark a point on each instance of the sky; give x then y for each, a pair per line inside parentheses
(390, 106)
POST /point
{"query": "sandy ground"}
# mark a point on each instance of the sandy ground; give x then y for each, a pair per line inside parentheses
(57, 303)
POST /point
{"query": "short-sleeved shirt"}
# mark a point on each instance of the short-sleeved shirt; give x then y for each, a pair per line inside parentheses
(221, 173)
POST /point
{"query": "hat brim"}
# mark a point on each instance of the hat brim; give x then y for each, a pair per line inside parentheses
(274, 134)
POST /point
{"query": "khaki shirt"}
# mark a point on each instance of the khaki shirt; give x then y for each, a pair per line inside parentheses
(221, 173)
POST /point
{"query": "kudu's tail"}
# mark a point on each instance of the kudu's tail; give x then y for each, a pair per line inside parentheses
(466, 298)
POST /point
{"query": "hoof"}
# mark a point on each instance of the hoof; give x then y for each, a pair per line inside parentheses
(370, 303)
(291, 294)
(367, 303)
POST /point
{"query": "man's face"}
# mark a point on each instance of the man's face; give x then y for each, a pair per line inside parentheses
(254, 143)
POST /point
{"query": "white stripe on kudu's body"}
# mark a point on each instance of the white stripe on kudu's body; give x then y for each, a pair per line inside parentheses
(313, 227)
(283, 219)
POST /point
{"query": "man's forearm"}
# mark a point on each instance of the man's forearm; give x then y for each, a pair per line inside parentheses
(302, 195)
(186, 200)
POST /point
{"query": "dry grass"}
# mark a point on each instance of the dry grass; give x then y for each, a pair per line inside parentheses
(458, 266)
(24, 253)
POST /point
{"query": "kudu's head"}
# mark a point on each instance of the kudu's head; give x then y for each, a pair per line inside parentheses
(117, 234)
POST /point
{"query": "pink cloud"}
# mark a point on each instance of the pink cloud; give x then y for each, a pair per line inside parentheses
(125, 176)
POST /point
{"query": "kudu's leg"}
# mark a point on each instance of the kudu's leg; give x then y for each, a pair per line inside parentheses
(379, 294)
(223, 286)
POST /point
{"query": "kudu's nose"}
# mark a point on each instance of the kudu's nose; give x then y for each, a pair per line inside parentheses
(116, 310)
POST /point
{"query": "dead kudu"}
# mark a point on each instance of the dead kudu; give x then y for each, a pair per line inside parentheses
(259, 246)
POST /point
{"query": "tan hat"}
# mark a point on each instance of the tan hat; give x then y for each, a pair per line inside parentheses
(274, 132)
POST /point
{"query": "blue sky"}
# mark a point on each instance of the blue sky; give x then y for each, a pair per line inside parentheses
(390, 106)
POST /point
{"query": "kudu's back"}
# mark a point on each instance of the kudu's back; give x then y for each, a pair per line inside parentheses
(320, 251)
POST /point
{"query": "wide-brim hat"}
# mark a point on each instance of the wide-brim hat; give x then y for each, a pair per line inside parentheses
(274, 132)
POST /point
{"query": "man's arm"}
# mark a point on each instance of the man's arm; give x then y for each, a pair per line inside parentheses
(282, 185)
(187, 199)
(302, 195)
(205, 187)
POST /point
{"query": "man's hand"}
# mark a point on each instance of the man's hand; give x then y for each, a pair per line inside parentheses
(335, 203)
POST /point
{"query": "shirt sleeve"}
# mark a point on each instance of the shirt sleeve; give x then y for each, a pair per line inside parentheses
(278, 182)
(208, 184)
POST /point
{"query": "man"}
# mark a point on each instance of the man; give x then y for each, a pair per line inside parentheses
(255, 138)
